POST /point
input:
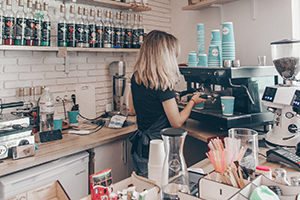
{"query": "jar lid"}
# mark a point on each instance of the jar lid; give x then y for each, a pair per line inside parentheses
(173, 132)
(286, 41)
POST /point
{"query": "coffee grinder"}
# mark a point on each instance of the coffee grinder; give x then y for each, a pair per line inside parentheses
(117, 71)
(279, 98)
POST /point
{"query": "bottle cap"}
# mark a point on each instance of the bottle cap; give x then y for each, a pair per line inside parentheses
(62, 8)
(99, 13)
(79, 10)
(45, 6)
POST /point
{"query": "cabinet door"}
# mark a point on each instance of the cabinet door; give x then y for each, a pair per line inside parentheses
(112, 155)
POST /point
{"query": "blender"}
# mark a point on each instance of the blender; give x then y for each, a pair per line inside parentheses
(117, 71)
(279, 98)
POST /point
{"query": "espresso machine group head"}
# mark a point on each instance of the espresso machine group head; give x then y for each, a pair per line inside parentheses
(282, 99)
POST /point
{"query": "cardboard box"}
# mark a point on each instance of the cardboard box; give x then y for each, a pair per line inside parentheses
(51, 191)
(141, 183)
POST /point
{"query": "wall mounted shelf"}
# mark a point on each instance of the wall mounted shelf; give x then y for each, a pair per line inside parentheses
(205, 4)
(70, 49)
(114, 5)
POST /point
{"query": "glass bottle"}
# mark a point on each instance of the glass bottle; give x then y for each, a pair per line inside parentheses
(38, 24)
(141, 31)
(32, 96)
(86, 32)
(9, 21)
(92, 27)
(113, 27)
(62, 28)
(135, 33)
(79, 28)
(46, 109)
(107, 31)
(46, 28)
(118, 32)
(20, 25)
(122, 29)
(2, 18)
(99, 29)
(30, 22)
(71, 38)
(280, 176)
(174, 174)
(128, 33)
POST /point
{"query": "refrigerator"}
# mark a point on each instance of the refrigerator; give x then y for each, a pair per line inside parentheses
(71, 171)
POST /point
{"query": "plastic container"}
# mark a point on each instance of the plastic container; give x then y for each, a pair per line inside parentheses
(46, 108)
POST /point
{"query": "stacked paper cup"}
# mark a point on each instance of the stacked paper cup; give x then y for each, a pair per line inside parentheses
(216, 40)
(156, 160)
(228, 44)
(200, 39)
(214, 57)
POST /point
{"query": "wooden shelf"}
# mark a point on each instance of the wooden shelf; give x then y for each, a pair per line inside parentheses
(42, 48)
(205, 4)
(114, 5)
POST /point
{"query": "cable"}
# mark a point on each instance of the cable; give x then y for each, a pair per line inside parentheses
(89, 118)
(262, 155)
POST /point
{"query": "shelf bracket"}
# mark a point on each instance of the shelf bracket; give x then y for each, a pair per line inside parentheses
(62, 52)
(221, 11)
(253, 9)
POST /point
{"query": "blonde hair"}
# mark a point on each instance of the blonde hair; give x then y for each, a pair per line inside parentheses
(157, 66)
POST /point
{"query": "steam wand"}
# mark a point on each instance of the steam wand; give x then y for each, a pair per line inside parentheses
(247, 91)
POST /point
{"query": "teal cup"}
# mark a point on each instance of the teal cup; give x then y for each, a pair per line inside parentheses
(227, 105)
(57, 124)
(214, 53)
(202, 60)
(73, 115)
(199, 106)
(193, 57)
(215, 36)
(200, 27)
(227, 32)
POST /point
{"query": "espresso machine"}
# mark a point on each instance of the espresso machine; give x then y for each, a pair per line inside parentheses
(283, 100)
(117, 71)
(245, 83)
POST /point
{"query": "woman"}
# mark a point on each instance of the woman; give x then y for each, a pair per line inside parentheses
(152, 96)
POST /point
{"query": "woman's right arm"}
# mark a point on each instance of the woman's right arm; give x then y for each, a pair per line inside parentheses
(175, 117)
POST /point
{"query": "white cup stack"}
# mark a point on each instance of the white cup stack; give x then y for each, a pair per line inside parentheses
(156, 160)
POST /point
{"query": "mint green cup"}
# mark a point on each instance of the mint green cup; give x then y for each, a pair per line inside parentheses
(73, 116)
(57, 124)
(227, 105)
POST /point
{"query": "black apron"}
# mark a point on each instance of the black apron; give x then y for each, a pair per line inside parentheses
(141, 139)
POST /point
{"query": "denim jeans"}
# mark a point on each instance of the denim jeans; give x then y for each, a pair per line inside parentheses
(140, 164)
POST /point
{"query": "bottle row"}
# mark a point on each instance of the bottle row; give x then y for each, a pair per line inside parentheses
(81, 29)
(135, 2)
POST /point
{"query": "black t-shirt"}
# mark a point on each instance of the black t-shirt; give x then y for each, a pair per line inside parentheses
(148, 103)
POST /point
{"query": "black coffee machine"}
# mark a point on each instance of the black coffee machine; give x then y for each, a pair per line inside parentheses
(246, 84)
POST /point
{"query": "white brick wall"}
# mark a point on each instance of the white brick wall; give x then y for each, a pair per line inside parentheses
(36, 68)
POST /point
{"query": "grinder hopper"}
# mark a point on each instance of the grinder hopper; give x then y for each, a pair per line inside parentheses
(286, 55)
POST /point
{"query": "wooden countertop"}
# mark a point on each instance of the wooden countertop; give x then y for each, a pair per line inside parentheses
(70, 144)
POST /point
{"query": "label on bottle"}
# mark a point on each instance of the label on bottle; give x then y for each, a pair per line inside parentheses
(9, 27)
(46, 31)
(107, 36)
(135, 38)
(122, 37)
(86, 33)
(128, 38)
(62, 32)
(29, 31)
(1, 27)
(38, 30)
(118, 36)
(71, 38)
(46, 107)
(99, 35)
(141, 36)
(20, 28)
(93, 35)
(79, 33)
